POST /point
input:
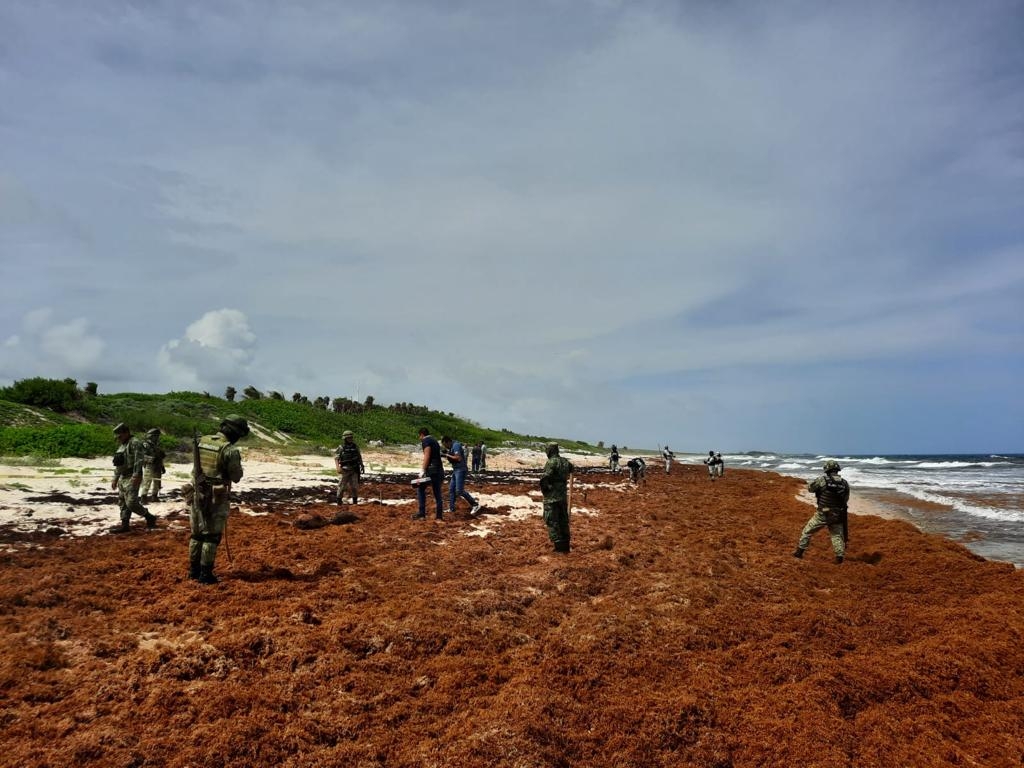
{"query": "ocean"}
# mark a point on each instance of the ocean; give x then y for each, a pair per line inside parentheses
(975, 499)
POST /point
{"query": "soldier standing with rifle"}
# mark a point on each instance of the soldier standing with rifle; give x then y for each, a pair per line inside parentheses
(216, 464)
(152, 466)
(833, 494)
(349, 463)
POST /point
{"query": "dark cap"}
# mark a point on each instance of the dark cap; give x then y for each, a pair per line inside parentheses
(121, 428)
(235, 424)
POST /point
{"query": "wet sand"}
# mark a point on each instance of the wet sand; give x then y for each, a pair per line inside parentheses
(679, 631)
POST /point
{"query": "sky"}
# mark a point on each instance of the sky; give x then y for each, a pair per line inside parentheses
(787, 226)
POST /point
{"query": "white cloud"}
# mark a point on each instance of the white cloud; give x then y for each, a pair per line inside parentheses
(47, 346)
(215, 350)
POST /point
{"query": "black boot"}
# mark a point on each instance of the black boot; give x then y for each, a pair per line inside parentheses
(839, 559)
(193, 569)
(561, 546)
(206, 575)
(798, 553)
(150, 522)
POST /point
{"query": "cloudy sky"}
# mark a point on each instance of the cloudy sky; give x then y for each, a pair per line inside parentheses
(792, 226)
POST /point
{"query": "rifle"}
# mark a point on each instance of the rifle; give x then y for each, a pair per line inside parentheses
(203, 488)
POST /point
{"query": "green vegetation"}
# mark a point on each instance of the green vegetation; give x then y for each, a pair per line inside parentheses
(27, 427)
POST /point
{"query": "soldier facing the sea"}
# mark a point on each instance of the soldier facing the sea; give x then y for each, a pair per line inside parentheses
(221, 463)
(128, 463)
(832, 493)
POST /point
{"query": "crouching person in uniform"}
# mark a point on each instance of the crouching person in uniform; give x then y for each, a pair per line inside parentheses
(554, 485)
(833, 494)
(221, 463)
(128, 462)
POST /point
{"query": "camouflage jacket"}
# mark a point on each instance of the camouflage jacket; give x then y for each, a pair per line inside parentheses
(348, 456)
(831, 491)
(134, 454)
(154, 455)
(555, 479)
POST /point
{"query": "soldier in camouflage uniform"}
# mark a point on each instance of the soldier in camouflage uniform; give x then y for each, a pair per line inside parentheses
(128, 461)
(554, 484)
(833, 494)
(152, 466)
(221, 462)
(349, 463)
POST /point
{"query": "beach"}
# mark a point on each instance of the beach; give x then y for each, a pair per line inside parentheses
(679, 631)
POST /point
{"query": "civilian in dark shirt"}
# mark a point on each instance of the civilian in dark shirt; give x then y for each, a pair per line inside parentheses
(432, 469)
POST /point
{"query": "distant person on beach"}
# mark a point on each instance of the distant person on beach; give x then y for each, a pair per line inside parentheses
(554, 484)
(832, 493)
(152, 466)
(710, 462)
(455, 452)
(431, 471)
(477, 454)
(483, 456)
(613, 459)
(667, 455)
(719, 465)
(128, 467)
(221, 464)
(349, 463)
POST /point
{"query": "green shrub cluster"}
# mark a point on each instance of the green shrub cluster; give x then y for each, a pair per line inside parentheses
(57, 395)
(179, 415)
(79, 440)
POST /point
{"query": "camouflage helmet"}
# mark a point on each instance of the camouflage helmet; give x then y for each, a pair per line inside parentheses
(235, 424)
(831, 466)
(154, 432)
(551, 449)
(347, 433)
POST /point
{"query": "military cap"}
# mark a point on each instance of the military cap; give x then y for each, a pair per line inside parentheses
(347, 433)
(236, 424)
(121, 429)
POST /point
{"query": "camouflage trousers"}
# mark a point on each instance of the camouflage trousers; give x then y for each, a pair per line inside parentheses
(128, 500)
(149, 477)
(349, 479)
(556, 518)
(815, 524)
(207, 533)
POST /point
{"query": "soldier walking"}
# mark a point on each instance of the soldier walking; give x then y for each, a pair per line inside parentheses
(152, 466)
(128, 463)
(832, 493)
(349, 463)
(554, 484)
(220, 462)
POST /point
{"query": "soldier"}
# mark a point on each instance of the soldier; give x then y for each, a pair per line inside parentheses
(152, 466)
(832, 493)
(477, 454)
(613, 459)
(637, 470)
(554, 485)
(128, 461)
(719, 465)
(221, 463)
(667, 455)
(349, 463)
(710, 461)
